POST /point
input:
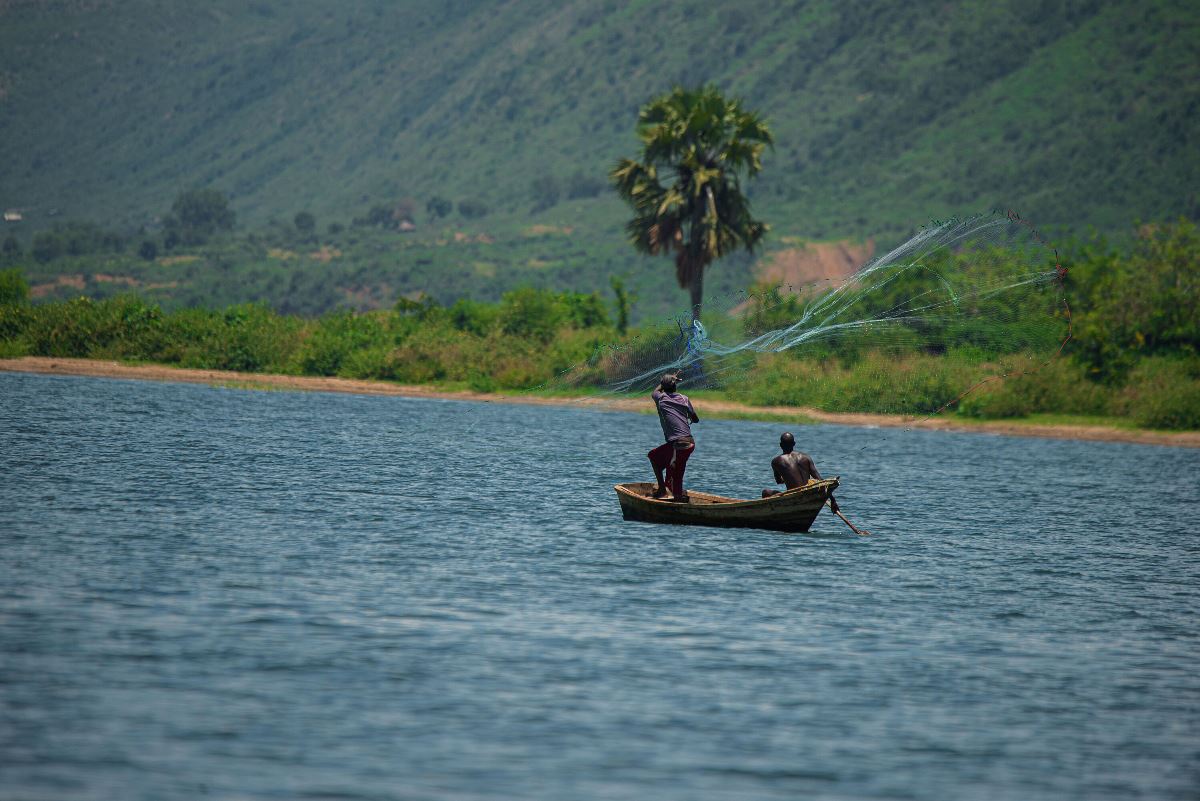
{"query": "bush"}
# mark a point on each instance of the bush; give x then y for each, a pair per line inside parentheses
(61, 329)
(529, 312)
(998, 403)
(540, 314)
(13, 287)
(1175, 406)
(336, 337)
(1163, 392)
(482, 382)
(1058, 386)
(1137, 305)
(477, 318)
(249, 337)
(12, 349)
(584, 311)
(368, 363)
(14, 321)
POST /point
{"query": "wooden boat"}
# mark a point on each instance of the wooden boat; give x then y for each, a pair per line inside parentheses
(791, 511)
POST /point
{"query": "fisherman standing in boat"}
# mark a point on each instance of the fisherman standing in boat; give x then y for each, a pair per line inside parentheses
(794, 469)
(676, 414)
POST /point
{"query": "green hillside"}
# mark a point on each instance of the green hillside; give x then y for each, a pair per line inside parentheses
(1078, 114)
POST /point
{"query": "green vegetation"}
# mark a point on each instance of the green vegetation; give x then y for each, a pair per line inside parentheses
(296, 268)
(14, 289)
(470, 142)
(1135, 352)
(528, 338)
(1135, 357)
(1075, 112)
(196, 216)
(699, 143)
(454, 156)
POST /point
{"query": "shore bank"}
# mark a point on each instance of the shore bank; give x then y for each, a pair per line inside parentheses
(711, 407)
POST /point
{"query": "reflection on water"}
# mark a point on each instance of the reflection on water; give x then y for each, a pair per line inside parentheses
(267, 595)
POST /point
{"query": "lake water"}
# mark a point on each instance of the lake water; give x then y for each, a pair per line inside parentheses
(213, 593)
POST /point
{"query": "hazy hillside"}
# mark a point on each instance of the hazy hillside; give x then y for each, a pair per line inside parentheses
(1078, 114)
(885, 112)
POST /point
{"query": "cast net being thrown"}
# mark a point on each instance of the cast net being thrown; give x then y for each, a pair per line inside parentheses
(962, 304)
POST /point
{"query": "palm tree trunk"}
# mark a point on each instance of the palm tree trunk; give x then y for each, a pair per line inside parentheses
(697, 291)
(696, 287)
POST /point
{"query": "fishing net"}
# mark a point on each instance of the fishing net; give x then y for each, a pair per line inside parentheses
(964, 303)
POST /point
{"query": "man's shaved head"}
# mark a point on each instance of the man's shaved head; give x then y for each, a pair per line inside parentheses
(787, 441)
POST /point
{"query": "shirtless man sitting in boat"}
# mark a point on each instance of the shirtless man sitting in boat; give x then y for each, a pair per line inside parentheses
(794, 469)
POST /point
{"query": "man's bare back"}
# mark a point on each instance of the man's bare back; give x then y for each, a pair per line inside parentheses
(794, 469)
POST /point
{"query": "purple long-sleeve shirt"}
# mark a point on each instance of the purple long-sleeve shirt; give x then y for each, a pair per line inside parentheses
(675, 412)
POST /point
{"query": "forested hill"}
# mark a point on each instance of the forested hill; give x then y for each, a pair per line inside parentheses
(885, 112)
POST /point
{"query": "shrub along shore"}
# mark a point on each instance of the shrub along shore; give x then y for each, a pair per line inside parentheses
(1133, 363)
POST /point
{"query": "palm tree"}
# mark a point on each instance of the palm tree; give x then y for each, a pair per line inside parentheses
(686, 188)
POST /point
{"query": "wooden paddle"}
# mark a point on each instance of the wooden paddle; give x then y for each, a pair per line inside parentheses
(860, 532)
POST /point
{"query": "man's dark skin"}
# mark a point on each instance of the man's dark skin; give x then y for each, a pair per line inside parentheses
(793, 468)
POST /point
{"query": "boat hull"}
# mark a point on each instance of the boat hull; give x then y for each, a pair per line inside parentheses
(792, 511)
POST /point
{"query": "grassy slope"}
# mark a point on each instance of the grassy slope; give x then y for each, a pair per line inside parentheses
(886, 114)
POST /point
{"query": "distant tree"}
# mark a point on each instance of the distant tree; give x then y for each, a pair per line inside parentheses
(198, 214)
(438, 206)
(685, 188)
(545, 192)
(11, 249)
(472, 209)
(148, 250)
(305, 223)
(13, 287)
(624, 299)
(335, 228)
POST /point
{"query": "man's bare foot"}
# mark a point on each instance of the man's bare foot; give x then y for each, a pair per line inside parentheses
(659, 491)
(680, 498)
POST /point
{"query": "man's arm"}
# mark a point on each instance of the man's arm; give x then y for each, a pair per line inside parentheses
(775, 470)
(692, 412)
(812, 472)
(811, 468)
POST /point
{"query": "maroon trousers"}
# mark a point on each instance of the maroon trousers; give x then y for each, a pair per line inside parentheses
(671, 457)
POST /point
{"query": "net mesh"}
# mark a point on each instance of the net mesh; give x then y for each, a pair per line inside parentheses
(963, 303)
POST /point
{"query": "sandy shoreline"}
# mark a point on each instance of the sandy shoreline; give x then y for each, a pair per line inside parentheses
(152, 372)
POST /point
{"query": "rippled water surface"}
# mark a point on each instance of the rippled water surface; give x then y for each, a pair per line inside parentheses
(211, 593)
